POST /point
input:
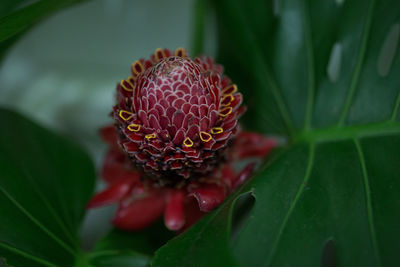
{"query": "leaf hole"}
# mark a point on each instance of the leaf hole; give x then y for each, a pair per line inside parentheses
(329, 258)
(335, 62)
(241, 213)
(388, 50)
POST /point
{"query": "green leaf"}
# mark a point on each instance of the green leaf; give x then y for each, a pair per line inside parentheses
(17, 16)
(204, 244)
(125, 258)
(334, 194)
(145, 242)
(45, 183)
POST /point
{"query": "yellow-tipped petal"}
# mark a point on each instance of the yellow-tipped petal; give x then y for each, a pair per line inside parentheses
(150, 136)
(137, 67)
(134, 127)
(205, 137)
(216, 130)
(125, 115)
(188, 142)
(225, 111)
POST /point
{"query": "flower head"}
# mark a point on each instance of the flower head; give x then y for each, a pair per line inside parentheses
(175, 116)
(175, 120)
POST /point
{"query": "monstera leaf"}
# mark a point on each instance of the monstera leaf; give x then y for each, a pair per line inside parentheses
(326, 75)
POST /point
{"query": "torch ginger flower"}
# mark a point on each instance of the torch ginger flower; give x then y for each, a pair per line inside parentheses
(175, 137)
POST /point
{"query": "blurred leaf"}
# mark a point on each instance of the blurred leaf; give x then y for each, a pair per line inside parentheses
(9, 6)
(334, 195)
(17, 16)
(200, 10)
(125, 258)
(146, 241)
(45, 182)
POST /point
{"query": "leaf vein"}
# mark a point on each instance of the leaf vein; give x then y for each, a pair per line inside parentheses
(270, 80)
(36, 222)
(368, 200)
(360, 61)
(26, 255)
(310, 66)
(395, 108)
(294, 202)
(50, 208)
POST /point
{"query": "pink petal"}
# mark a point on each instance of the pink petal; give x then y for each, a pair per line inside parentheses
(112, 194)
(228, 175)
(114, 169)
(130, 147)
(152, 100)
(179, 136)
(109, 134)
(160, 109)
(140, 213)
(177, 119)
(186, 108)
(193, 131)
(204, 124)
(174, 218)
(164, 121)
(159, 95)
(227, 126)
(237, 101)
(154, 122)
(244, 174)
(192, 213)
(183, 88)
(194, 109)
(143, 118)
(170, 112)
(178, 103)
(209, 196)
(213, 117)
(248, 144)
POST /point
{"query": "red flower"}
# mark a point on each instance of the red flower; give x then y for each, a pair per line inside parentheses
(175, 136)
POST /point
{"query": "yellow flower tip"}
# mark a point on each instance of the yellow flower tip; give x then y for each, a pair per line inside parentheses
(159, 54)
(132, 80)
(216, 130)
(150, 136)
(230, 89)
(180, 52)
(225, 111)
(133, 127)
(188, 142)
(125, 115)
(227, 100)
(126, 85)
(205, 137)
(137, 67)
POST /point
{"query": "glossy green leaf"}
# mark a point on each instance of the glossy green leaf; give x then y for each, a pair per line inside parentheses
(17, 16)
(45, 183)
(334, 194)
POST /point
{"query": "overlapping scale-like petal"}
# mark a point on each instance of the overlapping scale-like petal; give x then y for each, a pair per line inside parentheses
(175, 136)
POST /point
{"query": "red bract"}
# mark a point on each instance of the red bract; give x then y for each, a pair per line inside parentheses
(175, 136)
